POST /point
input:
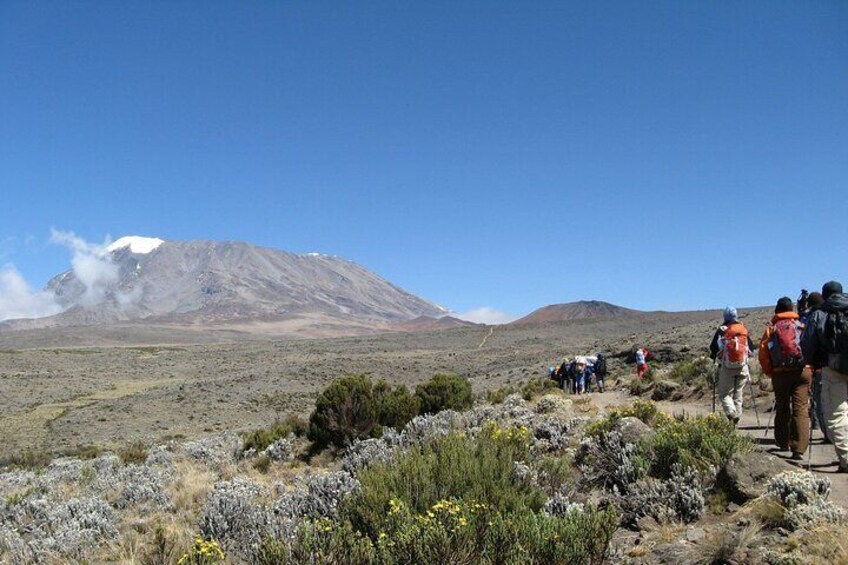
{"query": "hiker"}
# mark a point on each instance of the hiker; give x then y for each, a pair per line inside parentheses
(571, 373)
(732, 346)
(802, 301)
(579, 378)
(600, 370)
(825, 345)
(588, 376)
(641, 362)
(814, 302)
(781, 359)
(562, 379)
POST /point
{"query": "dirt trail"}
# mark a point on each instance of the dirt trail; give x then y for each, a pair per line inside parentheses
(823, 456)
(486, 337)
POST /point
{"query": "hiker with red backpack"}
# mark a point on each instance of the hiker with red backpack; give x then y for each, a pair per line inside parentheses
(781, 359)
(732, 346)
(641, 362)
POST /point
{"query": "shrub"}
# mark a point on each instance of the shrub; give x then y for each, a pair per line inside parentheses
(499, 394)
(795, 488)
(202, 553)
(607, 461)
(444, 392)
(322, 541)
(702, 442)
(396, 406)
(30, 459)
(259, 439)
(814, 514)
(344, 411)
(353, 408)
(537, 386)
(452, 531)
(262, 463)
(646, 411)
(453, 467)
(696, 372)
(134, 453)
(681, 497)
(298, 426)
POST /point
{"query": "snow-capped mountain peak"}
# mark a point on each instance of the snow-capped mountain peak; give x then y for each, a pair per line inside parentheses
(136, 244)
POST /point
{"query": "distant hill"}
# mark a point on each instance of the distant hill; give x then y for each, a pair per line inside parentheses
(582, 310)
(429, 323)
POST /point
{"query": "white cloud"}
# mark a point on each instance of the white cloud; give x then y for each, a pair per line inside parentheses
(19, 300)
(91, 263)
(486, 315)
(92, 266)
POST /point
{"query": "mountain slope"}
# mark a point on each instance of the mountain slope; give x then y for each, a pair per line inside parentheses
(582, 310)
(204, 281)
(429, 323)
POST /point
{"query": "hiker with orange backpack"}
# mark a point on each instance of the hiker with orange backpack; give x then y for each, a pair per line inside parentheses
(733, 346)
(781, 359)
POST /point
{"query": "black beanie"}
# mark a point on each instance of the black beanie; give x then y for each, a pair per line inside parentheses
(783, 305)
(815, 301)
(831, 287)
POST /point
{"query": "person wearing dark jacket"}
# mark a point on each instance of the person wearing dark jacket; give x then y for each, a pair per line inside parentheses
(814, 302)
(781, 360)
(823, 347)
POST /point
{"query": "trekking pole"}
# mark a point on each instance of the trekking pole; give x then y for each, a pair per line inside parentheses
(754, 399)
(810, 445)
(715, 379)
(768, 424)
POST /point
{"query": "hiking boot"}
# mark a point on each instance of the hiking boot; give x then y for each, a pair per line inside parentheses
(797, 456)
(735, 420)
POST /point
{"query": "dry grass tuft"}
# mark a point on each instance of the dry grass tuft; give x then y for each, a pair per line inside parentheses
(765, 510)
(726, 545)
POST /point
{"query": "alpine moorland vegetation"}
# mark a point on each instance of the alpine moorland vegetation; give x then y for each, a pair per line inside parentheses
(382, 475)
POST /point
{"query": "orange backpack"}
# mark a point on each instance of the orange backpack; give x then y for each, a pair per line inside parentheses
(735, 339)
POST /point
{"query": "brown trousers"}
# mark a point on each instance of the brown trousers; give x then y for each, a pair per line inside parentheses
(791, 400)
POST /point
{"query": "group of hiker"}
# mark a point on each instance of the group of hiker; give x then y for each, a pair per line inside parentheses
(579, 375)
(803, 351)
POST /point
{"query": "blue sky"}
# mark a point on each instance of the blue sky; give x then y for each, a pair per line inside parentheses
(659, 155)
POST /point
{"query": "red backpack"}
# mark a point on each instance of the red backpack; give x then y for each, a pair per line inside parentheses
(785, 344)
(735, 355)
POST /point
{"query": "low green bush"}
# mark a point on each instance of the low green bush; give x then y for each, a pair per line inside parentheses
(646, 411)
(537, 386)
(701, 442)
(453, 467)
(355, 408)
(261, 438)
(696, 372)
(396, 406)
(452, 532)
(344, 411)
(499, 394)
(444, 392)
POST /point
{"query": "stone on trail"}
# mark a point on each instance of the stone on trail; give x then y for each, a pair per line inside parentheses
(666, 390)
(747, 475)
(633, 430)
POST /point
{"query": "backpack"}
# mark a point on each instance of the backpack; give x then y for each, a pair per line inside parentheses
(785, 344)
(836, 333)
(735, 347)
(601, 365)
